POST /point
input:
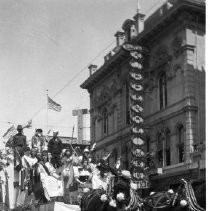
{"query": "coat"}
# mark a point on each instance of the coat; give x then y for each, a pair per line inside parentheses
(55, 146)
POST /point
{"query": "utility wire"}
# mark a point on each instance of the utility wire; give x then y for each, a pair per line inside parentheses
(83, 69)
(74, 77)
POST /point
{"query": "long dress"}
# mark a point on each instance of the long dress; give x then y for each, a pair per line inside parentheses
(53, 187)
(24, 179)
(73, 188)
(67, 176)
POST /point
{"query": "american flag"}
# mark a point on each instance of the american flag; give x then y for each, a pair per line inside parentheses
(53, 105)
(10, 132)
(28, 124)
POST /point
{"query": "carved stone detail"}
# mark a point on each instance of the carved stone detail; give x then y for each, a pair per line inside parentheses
(178, 67)
(160, 56)
(115, 87)
(176, 45)
(104, 96)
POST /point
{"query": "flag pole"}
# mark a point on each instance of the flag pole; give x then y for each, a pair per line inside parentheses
(73, 150)
(47, 110)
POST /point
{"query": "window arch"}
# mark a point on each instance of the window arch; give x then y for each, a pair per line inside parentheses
(167, 148)
(163, 91)
(181, 143)
(105, 121)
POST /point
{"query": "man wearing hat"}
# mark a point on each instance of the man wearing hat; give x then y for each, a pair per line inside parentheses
(55, 148)
(19, 140)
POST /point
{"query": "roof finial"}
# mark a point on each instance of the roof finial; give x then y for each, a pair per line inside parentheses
(138, 6)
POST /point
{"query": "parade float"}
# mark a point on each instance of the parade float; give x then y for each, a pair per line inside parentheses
(15, 191)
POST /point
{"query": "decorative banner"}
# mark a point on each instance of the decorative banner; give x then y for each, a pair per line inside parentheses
(136, 90)
(136, 97)
(137, 120)
(136, 76)
(137, 141)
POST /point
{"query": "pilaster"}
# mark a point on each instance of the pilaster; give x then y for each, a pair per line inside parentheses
(190, 96)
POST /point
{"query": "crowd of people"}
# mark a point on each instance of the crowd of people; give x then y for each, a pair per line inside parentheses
(48, 172)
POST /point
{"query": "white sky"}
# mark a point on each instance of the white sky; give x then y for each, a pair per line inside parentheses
(43, 44)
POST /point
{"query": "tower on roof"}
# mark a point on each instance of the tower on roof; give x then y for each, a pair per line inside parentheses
(139, 18)
(138, 6)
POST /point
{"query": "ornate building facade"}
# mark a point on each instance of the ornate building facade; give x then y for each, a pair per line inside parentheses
(174, 97)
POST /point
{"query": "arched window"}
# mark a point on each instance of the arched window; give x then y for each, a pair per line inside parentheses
(163, 91)
(105, 121)
(181, 143)
(160, 150)
(167, 149)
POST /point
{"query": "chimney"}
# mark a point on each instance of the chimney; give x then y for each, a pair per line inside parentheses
(130, 29)
(92, 68)
(139, 18)
(120, 38)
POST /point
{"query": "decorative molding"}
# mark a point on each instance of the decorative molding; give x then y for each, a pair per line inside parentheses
(115, 87)
(104, 96)
(176, 68)
(176, 45)
(160, 56)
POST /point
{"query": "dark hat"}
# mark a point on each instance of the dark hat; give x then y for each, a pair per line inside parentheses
(27, 149)
(39, 130)
(19, 127)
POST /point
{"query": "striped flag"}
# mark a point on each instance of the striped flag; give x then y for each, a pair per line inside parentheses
(53, 105)
(10, 132)
(28, 124)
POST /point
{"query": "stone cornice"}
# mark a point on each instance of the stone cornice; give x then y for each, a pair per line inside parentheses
(156, 23)
(162, 116)
(119, 57)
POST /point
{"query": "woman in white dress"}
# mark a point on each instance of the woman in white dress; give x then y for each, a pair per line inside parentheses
(51, 182)
(67, 174)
